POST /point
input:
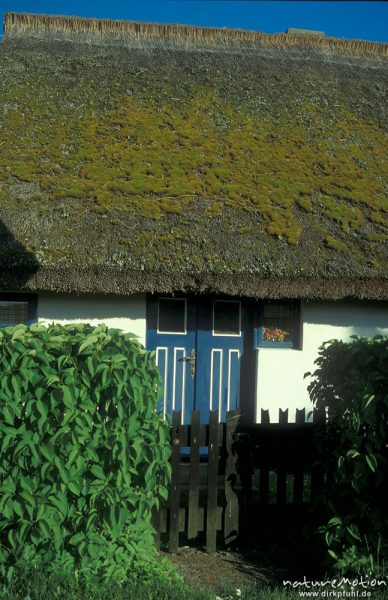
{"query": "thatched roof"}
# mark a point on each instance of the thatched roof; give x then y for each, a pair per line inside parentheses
(143, 157)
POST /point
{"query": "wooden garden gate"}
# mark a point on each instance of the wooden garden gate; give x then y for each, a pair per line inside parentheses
(235, 483)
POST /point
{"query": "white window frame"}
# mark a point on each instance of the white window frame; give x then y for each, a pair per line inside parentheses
(214, 334)
(185, 319)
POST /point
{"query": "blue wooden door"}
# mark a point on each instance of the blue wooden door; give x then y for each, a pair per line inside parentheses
(198, 345)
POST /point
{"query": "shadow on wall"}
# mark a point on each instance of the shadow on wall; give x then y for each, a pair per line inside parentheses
(100, 308)
(17, 264)
(360, 317)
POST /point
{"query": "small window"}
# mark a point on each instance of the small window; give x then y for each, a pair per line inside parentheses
(226, 317)
(279, 324)
(172, 315)
(17, 309)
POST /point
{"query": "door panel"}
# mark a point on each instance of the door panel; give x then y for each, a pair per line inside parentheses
(171, 334)
(224, 379)
(219, 350)
(173, 371)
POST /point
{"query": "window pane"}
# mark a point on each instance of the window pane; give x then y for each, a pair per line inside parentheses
(276, 310)
(280, 322)
(226, 318)
(13, 313)
(171, 317)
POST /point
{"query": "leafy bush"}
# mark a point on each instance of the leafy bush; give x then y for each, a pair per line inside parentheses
(84, 454)
(351, 385)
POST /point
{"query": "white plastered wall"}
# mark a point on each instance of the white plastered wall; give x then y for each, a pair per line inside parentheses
(125, 313)
(279, 372)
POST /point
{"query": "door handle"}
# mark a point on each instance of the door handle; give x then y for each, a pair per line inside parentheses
(190, 359)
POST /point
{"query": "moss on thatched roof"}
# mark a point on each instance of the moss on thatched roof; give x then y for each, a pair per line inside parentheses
(168, 157)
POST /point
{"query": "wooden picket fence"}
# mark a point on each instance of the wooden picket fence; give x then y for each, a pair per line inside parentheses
(232, 483)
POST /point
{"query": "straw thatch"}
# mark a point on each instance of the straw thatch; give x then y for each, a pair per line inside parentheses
(142, 157)
(28, 24)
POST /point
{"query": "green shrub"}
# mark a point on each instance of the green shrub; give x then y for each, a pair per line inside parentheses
(83, 452)
(351, 385)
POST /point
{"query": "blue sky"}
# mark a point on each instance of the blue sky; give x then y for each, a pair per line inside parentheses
(358, 20)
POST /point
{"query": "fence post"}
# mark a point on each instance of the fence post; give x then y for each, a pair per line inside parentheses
(317, 475)
(281, 491)
(300, 419)
(231, 517)
(194, 476)
(212, 484)
(264, 470)
(175, 482)
(299, 474)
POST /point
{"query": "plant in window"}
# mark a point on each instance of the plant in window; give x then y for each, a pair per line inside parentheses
(275, 334)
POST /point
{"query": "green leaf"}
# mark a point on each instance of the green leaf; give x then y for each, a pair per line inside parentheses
(74, 487)
(45, 528)
(24, 527)
(34, 452)
(91, 362)
(27, 484)
(5, 444)
(28, 498)
(9, 415)
(12, 538)
(41, 408)
(163, 491)
(52, 379)
(329, 536)
(58, 538)
(68, 396)
(98, 472)
(91, 519)
(119, 358)
(369, 400)
(59, 503)
(41, 511)
(352, 529)
(76, 539)
(62, 470)
(88, 342)
(352, 453)
(8, 511)
(47, 451)
(73, 455)
(19, 333)
(17, 508)
(371, 462)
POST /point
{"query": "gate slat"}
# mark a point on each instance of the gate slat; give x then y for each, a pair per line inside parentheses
(317, 475)
(264, 417)
(212, 484)
(193, 520)
(299, 471)
(264, 471)
(175, 482)
(299, 474)
(282, 473)
(231, 519)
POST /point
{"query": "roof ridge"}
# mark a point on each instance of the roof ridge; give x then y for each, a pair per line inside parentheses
(23, 23)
